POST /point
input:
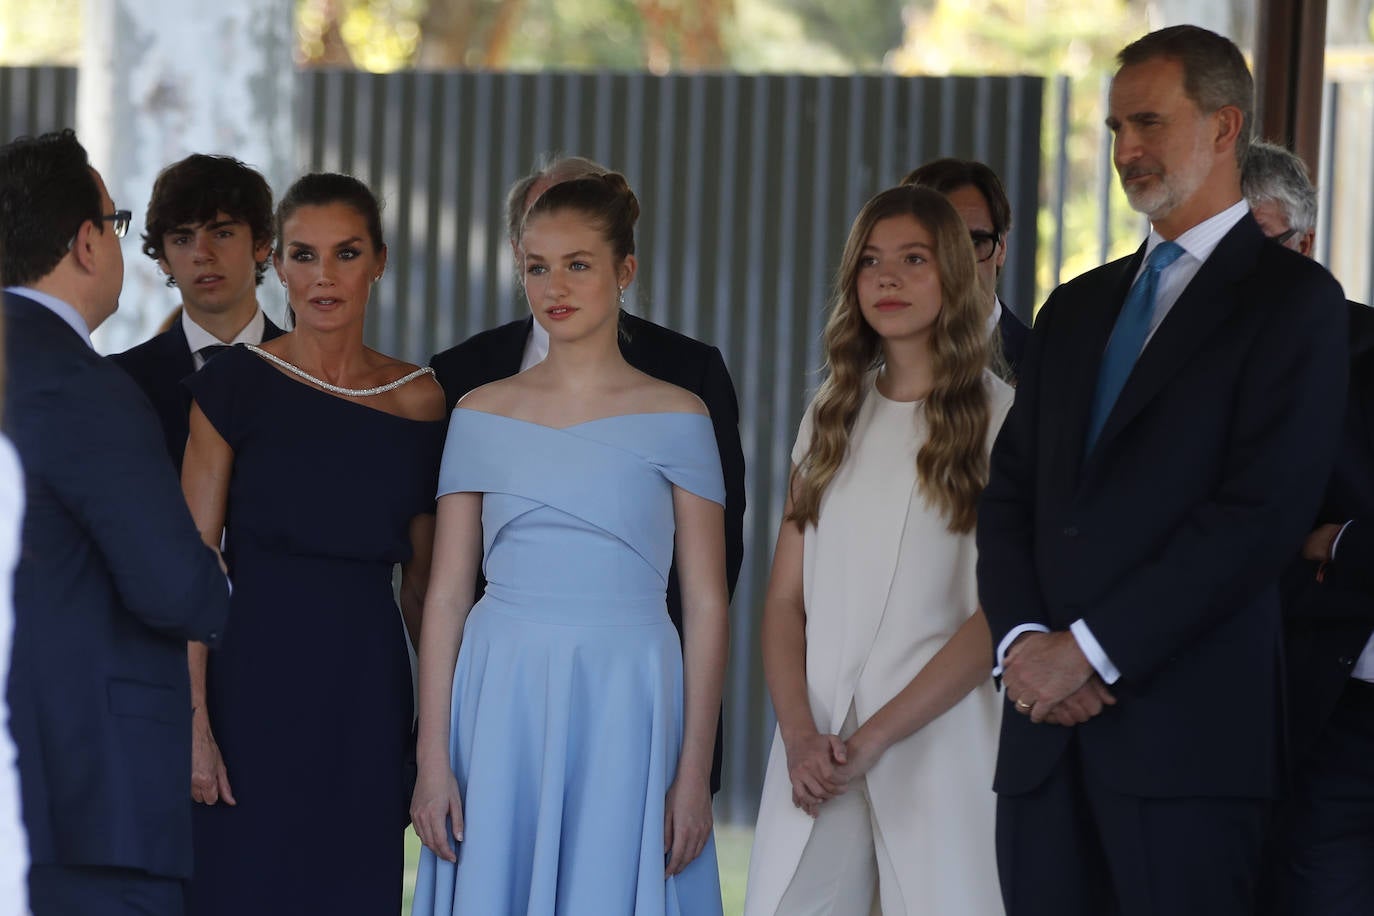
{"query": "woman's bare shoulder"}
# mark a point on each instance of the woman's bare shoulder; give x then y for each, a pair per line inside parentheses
(421, 399)
(497, 397)
(664, 397)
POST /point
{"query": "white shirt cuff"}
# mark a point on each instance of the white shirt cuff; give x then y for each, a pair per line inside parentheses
(1336, 541)
(1010, 638)
(1094, 652)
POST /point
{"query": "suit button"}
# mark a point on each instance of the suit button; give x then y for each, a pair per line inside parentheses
(1348, 662)
(1071, 532)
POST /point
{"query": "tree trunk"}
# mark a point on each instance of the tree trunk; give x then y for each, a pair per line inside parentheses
(446, 34)
(500, 33)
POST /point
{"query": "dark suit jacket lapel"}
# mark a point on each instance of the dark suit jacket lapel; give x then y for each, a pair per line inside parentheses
(1079, 366)
(1203, 306)
(174, 358)
(175, 353)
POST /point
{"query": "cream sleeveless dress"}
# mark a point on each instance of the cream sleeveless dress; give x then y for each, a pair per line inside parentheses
(886, 584)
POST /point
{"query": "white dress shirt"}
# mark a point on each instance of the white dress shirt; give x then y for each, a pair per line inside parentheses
(996, 317)
(1197, 243)
(1364, 665)
(14, 847)
(536, 347)
(197, 338)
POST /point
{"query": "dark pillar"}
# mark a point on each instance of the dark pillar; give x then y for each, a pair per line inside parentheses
(1290, 55)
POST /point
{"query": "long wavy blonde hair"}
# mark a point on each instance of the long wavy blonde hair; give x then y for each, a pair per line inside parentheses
(952, 465)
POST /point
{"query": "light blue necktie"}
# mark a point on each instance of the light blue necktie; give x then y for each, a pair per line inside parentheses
(1128, 337)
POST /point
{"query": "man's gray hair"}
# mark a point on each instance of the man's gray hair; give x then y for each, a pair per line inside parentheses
(551, 167)
(1215, 74)
(1272, 173)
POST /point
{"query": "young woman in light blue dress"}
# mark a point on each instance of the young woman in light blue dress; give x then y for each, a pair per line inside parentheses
(565, 733)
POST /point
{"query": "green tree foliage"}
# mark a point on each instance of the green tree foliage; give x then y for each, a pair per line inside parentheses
(34, 32)
(520, 34)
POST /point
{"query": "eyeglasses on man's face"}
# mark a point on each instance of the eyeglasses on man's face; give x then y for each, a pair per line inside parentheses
(121, 220)
(984, 244)
(1283, 237)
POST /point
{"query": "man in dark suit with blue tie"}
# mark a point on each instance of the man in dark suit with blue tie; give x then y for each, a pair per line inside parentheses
(665, 354)
(209, 228)
(112, 577)
(977, 193)
(1177, 413)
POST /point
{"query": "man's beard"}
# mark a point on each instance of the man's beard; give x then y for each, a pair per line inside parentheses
(1172, 188)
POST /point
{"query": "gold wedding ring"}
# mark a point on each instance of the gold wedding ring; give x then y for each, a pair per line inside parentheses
(1024, 707)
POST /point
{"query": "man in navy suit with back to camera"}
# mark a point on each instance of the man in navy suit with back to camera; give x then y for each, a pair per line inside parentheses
(1177, 414)
(209, 228)
(516, 346)
(113, 578)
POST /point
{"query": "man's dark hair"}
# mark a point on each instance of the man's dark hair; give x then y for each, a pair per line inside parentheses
(1214, 72)
(47, 191)
(197, 188)
(949, 175)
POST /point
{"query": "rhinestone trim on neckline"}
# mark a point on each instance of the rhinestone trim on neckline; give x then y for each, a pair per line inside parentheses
(338, 389)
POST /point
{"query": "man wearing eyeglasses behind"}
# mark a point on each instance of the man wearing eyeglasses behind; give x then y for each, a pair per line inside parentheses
(1323, 840)
(113, 578)
(977, 193)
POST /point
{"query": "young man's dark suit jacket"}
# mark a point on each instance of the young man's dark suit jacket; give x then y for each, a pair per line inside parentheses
(656, 351)
(1330, 621)
(112, 581)
(158, 365)
(1168, 537)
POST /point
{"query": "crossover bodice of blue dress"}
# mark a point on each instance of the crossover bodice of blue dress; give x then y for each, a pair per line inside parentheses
(604, 486)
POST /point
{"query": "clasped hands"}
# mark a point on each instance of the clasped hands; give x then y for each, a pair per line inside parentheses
(1047, 677)
(822, 766)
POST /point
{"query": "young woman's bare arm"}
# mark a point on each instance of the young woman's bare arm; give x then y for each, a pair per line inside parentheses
(700, 551)
(205, 471)
(437, 806)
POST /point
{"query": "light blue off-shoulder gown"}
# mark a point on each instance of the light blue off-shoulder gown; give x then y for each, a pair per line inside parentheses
(567, 697)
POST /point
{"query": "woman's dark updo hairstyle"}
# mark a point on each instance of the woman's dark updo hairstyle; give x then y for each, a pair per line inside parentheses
(607, 199)
(320, 189)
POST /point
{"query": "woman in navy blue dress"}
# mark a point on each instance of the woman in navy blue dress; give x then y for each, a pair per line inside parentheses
(318, 457)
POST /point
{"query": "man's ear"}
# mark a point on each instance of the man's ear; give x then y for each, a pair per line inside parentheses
(83, 246)
(1307, 241)
(1230, 121)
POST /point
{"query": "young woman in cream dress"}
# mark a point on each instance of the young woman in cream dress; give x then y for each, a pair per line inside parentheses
(878, 792)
